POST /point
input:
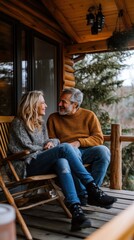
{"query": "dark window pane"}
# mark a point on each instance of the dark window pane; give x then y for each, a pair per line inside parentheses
(46, 72)
(24, 63)
(6, 68)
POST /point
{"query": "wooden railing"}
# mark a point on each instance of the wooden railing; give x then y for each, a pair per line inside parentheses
(120, 227)
(116, 140)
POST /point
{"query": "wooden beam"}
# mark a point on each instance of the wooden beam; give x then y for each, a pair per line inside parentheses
(88, 47)
(121, 4)
(36, 11)
(124, 138)
(92, 47)
(36, 21)
(59, 17)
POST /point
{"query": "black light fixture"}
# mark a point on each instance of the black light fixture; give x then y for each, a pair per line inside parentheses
(100, 19)
(95, 19)
(90, 16)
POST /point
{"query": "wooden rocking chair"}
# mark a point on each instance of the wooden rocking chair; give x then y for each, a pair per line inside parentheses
(31, 191)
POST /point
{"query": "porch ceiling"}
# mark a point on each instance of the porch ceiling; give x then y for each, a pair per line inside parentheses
(71, 16)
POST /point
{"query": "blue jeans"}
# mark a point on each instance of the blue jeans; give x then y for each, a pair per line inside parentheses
(99, 158)
(63, 160)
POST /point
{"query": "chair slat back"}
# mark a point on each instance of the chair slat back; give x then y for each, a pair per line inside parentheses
(5, 122)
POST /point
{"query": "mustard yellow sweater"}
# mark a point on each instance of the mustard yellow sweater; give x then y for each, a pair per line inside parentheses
(83, 126)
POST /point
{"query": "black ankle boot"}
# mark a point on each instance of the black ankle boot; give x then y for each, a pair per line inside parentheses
(79, 220)
(83, 199)
(98, 198)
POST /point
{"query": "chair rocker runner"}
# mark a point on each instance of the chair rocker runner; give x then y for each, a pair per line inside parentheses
(24, 193)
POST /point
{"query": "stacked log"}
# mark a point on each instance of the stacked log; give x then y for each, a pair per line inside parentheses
(69, 78)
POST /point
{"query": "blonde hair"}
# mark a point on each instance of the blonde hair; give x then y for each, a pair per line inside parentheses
(28, 110)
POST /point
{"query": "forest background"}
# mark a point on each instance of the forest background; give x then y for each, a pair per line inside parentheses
(107, 81)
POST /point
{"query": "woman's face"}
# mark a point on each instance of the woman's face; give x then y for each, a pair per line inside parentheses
(41, 106)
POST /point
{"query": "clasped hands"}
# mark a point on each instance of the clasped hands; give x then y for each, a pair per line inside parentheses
(51, 145)
(48, 145)
(75, 144)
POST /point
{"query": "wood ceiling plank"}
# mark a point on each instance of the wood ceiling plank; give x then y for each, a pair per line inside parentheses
(28, 18)
(34, 10)
(57, 14)
(66, 21)
(121, 4)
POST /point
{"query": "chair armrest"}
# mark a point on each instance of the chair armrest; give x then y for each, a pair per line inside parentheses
(16, 156)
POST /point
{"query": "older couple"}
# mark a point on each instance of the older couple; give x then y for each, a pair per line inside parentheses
(75, 137)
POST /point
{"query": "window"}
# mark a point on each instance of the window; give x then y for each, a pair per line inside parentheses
(28, 61)
(45, 72)
(24, 63)
(6, 68)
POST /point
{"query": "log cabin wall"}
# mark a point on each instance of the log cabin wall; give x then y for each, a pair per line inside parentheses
(68, 72)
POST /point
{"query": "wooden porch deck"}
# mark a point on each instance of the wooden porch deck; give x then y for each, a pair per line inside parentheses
(49, 221)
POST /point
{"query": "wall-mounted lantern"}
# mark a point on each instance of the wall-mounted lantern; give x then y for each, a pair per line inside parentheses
(95, 19)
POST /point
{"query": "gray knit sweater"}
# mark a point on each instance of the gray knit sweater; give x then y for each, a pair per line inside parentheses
(21, 138)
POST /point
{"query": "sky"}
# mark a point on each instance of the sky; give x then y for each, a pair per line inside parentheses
(128, 74)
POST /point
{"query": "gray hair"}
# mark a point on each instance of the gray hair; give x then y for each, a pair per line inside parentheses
(76, 95)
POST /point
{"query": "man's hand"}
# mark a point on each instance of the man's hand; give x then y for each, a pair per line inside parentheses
(75, 144)
(48, 145)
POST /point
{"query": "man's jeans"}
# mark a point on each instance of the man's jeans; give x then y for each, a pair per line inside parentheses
(99, 158)
(63, 160)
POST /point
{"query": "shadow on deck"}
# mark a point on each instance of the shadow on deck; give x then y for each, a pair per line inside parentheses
(49, 221)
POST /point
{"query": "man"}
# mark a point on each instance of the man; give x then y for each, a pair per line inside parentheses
(81, 128)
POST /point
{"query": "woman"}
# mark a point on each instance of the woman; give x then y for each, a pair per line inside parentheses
(28, 131)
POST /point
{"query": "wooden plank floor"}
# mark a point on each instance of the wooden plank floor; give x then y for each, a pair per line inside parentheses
(49, 221)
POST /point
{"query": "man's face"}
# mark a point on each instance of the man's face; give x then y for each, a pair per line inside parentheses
(66, 107)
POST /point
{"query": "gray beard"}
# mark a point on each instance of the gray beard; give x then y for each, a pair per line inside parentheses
(66, 112)
(63, 113)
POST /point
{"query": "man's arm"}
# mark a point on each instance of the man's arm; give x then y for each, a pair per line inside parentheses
(96, 136)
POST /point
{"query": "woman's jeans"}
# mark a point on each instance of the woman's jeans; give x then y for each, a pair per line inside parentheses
(63, 160)
(99, 158)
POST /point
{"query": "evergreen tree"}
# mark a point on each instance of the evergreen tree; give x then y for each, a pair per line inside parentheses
(96, 76)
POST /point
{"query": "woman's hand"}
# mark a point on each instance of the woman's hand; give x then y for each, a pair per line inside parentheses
(75, 144)
(48, 145)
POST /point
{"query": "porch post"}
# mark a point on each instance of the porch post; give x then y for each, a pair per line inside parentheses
(116, 158)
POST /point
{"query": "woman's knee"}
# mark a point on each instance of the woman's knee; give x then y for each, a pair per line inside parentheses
(62, 165)
(65, 145)
(66, 148)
